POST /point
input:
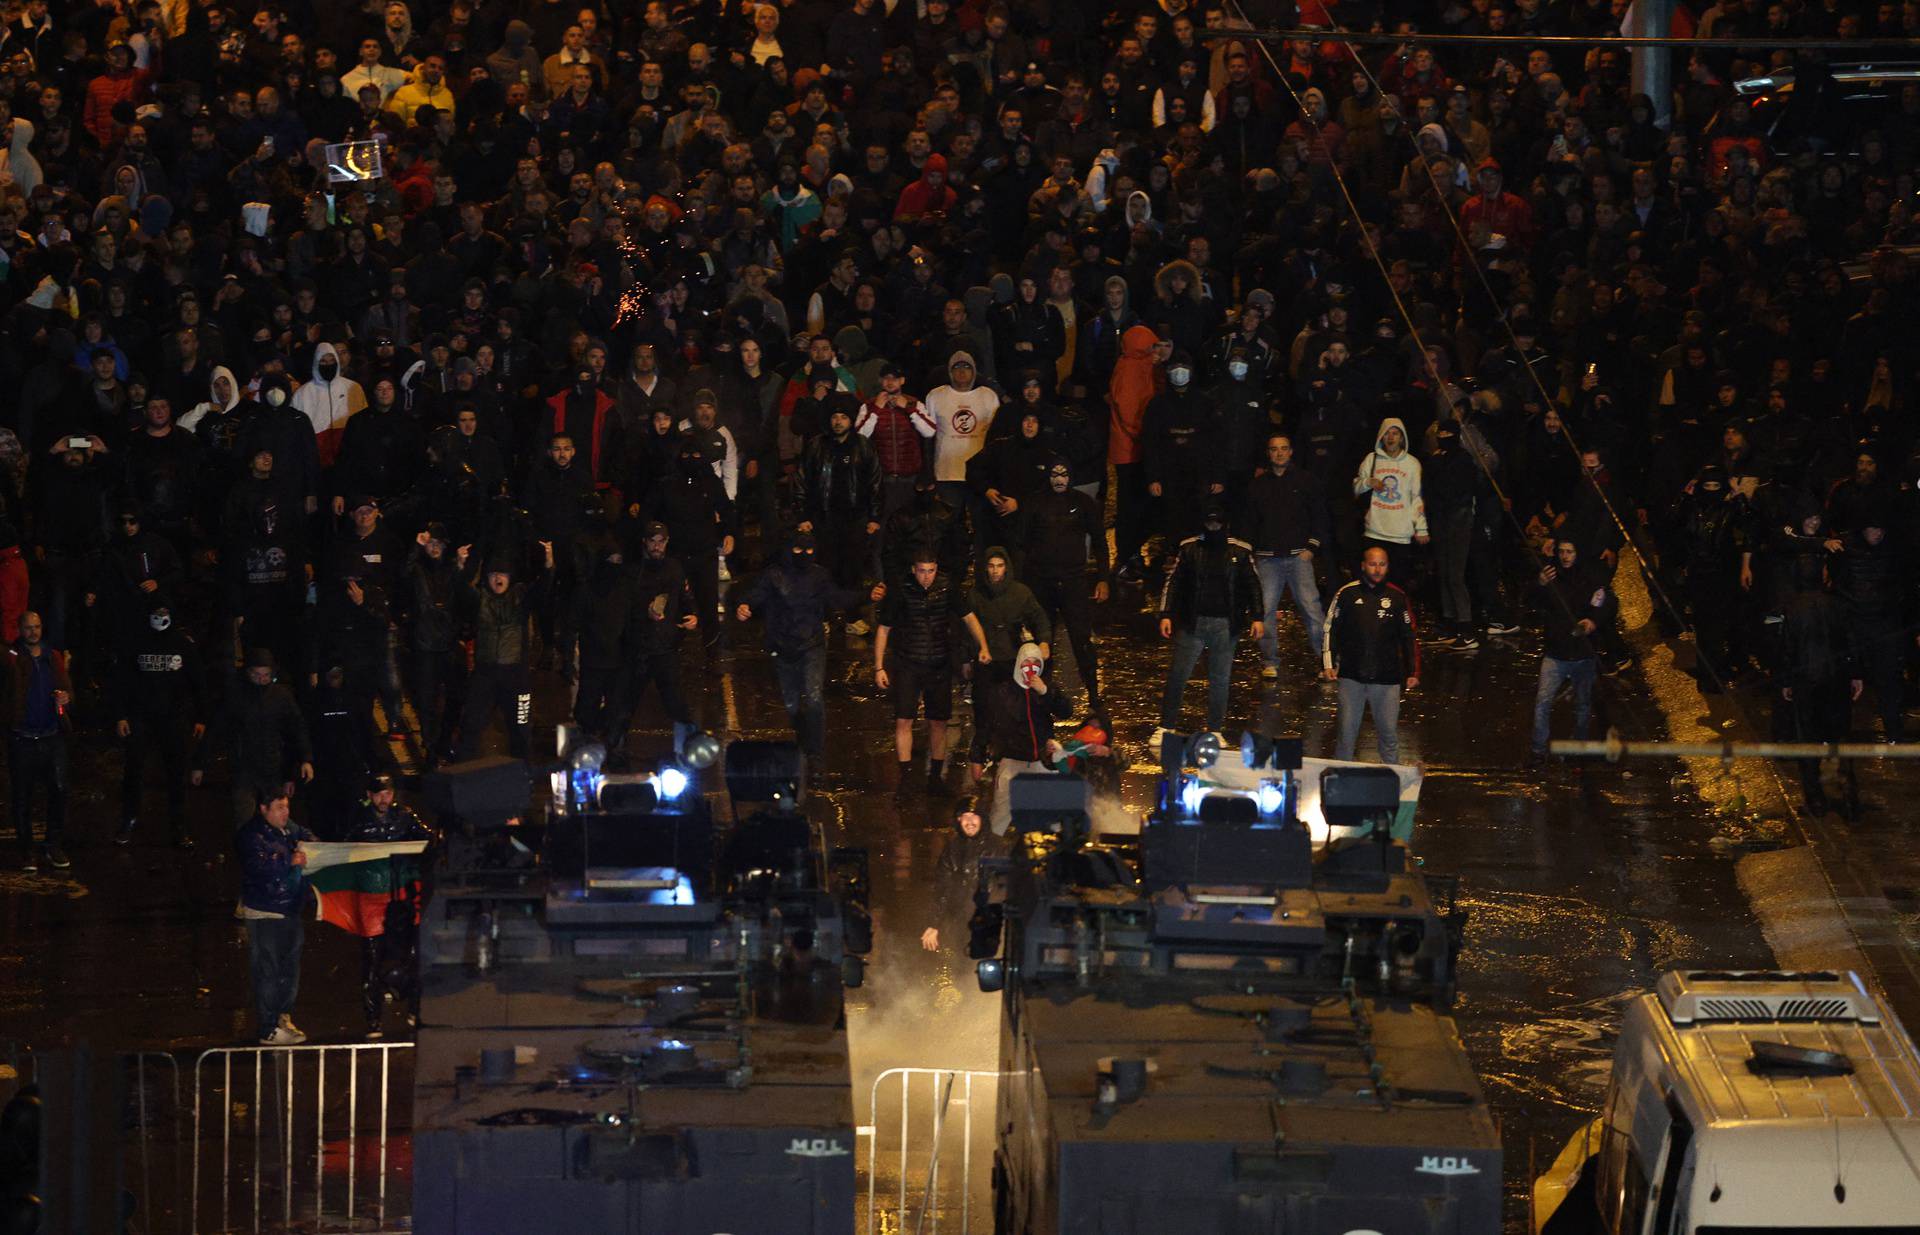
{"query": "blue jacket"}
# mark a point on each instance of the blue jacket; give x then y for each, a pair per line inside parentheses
(269, 881)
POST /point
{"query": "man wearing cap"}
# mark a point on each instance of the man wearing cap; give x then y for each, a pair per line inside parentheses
(262, 733)
(388, 959)
(962, 413)
(899, 427)
(1210, 597)
(1494, 211)
(793, 596)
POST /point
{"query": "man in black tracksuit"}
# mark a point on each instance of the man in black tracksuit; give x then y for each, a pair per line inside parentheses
(264, 736)
(663, 607)
(836, 492)
(602, 616)
(1284, 519)
(157, 681)
(1062, 540)
(1182, 440)
(1372, 651)
(1211, 596)
(502, 608)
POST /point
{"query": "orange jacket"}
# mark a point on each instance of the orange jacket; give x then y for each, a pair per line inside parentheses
(1136, 379)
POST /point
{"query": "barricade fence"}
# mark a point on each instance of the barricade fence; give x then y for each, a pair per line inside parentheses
(931, 1161)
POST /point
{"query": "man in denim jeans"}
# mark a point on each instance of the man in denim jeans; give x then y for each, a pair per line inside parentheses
(1284, 519)
(272, 900)
(1580, 609)
(1210, 597)
(1372, 650)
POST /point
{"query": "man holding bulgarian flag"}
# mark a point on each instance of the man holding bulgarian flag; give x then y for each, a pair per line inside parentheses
(369, 885)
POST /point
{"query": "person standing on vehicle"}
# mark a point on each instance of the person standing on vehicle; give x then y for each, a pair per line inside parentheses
(271, 891)
(1579, 606)
(1211, 595)
(1372, 652)
(1284, 519)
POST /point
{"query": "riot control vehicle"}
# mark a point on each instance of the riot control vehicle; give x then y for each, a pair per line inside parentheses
(1746, 1101)
(1211, 1027)
(632, 1016)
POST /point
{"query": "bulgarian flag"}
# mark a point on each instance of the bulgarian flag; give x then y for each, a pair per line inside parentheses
(353, 882)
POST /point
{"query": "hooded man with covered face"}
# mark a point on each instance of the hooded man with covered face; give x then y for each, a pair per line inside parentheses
(328, 402)
(691, 501)
(1211, 597)
(1017, 711)
(502, 605)
(793, 597)
(263, 734)
(282, 428)
(1062, 543)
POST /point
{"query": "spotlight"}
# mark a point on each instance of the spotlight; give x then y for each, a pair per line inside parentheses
(668, 783)
(700, 751)
(1205, 750)
(1270, 797)
(1191, 795)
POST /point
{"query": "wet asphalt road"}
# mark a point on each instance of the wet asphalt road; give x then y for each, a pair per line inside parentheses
(1582, 886)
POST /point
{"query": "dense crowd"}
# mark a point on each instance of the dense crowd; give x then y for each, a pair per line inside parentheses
(941, 321)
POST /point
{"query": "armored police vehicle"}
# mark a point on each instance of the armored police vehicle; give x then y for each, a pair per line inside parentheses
(1210, 1027)
(632, 1019)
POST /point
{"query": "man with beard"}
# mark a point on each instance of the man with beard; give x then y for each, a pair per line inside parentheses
(263, 735)
(161, 463)
(1063, 558)
(157, 685)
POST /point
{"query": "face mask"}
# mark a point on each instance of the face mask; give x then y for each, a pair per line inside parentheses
(160, 621)
(328, 370)
(276, 397)
(1238, 368)
(1179, 376)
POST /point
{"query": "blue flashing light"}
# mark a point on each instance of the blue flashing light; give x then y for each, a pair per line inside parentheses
(669, 783)
(1271, 797)
(1191, 795)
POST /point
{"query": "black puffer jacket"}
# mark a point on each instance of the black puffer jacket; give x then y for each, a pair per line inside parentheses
(922, 621)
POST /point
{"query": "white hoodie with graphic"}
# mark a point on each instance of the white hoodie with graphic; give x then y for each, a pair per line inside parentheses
(1397, 512)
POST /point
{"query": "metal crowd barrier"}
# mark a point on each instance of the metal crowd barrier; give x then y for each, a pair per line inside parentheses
(947, 1088)
(281, 1130)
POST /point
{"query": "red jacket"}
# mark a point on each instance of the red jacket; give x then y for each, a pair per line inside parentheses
(595, 435)
(896, 435)
(106, 90)
(13, 592)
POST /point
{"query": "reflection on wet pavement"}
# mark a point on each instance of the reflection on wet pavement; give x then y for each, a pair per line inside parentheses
(1582, 886)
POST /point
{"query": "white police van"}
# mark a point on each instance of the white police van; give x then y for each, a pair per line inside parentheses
(1748, 1103)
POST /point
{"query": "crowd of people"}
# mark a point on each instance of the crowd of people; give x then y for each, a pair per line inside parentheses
(939, 321)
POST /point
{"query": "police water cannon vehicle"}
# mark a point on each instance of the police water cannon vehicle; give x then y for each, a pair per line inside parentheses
(632, 1018)
(1747, 1101)
(1210, 1027)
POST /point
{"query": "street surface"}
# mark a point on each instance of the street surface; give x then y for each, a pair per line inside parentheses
(1583, 884)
